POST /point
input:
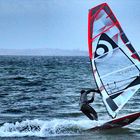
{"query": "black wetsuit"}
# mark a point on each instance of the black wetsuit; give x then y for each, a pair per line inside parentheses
(85, 107)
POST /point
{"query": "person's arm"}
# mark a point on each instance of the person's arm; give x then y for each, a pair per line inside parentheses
(92, 99)
(93, 90)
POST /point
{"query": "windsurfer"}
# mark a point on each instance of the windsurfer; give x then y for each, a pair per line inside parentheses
(84, 103)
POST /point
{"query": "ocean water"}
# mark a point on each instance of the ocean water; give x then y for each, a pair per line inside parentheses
(39, 99)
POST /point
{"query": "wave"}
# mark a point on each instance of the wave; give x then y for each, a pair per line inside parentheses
(41, 128)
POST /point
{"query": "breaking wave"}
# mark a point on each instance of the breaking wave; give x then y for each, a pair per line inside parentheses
(41, 128)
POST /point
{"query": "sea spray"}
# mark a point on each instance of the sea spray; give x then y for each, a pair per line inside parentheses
(41, 128)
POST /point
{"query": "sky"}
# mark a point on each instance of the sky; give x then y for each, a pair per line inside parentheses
(61, 24)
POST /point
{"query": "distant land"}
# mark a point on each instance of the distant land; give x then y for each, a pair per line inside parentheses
(43, 52)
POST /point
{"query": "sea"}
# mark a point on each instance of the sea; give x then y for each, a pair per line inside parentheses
(39, 99)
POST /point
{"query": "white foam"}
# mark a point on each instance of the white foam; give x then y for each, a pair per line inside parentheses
(47, 128)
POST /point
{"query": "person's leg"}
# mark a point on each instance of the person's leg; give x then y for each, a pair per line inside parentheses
(88, 115)
(92, 112)
(86, 111)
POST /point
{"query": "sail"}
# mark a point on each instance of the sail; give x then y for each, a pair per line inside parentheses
(115, 62)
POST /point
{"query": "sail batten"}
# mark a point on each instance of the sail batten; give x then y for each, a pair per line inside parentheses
(115, 62)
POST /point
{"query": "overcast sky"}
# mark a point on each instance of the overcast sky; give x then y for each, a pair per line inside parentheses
(34, 24)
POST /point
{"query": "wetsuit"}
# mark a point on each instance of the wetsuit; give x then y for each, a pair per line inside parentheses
(85, 107)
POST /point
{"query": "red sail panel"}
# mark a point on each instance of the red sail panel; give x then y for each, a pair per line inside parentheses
(103, 17)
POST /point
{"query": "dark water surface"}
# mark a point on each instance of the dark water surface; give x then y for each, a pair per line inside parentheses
(39, 99)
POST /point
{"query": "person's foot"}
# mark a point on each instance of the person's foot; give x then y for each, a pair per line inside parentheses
(96, 119)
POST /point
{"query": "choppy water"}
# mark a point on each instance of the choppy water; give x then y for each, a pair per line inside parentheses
(39, 99)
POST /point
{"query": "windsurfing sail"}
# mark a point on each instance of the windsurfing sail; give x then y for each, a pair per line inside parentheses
(115, 62)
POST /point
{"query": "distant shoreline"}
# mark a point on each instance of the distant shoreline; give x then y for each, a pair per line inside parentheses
(46, 55)
(42, 52)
